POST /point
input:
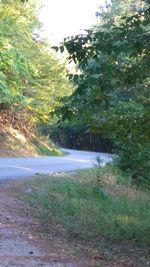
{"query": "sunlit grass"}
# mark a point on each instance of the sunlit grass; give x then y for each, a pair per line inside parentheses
(15, 143)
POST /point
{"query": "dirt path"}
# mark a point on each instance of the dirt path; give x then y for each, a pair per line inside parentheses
(21, 244)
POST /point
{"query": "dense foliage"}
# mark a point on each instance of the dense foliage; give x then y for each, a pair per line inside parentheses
(31, 78)
(112, 82)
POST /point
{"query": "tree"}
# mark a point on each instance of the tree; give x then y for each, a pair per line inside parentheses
(112, 85)
(31, 78)
(16, 36)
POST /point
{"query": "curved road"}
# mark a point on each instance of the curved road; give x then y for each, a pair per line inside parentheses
(11, 168)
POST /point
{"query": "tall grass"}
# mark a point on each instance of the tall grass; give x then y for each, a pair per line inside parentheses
(88, 211)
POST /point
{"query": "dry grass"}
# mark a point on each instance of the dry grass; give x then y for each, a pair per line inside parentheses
(14, 144)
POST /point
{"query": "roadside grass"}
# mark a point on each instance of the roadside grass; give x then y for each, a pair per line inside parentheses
(90, 204)
(45, 146)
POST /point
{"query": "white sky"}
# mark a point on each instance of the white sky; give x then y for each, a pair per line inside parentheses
(62, 18)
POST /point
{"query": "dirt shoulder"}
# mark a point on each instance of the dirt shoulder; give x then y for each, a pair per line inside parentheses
(24, 243)
(21, 241)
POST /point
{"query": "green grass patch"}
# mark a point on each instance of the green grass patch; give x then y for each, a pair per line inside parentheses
(45, 146)
(87, 210)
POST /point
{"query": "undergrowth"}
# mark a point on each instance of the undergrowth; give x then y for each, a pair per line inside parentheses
(89, 207)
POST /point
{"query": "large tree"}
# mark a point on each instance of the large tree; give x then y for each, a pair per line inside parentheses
(112, 84)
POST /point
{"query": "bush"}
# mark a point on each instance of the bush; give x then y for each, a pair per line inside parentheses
(128, 126)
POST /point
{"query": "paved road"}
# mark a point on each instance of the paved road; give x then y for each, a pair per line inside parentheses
(11, 168)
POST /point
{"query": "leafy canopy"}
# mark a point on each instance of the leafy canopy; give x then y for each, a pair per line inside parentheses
(111, 93)
(31, 77)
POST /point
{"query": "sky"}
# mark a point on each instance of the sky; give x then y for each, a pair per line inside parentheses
(62, 18)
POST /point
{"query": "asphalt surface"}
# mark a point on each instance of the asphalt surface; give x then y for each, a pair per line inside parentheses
(12, 168)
